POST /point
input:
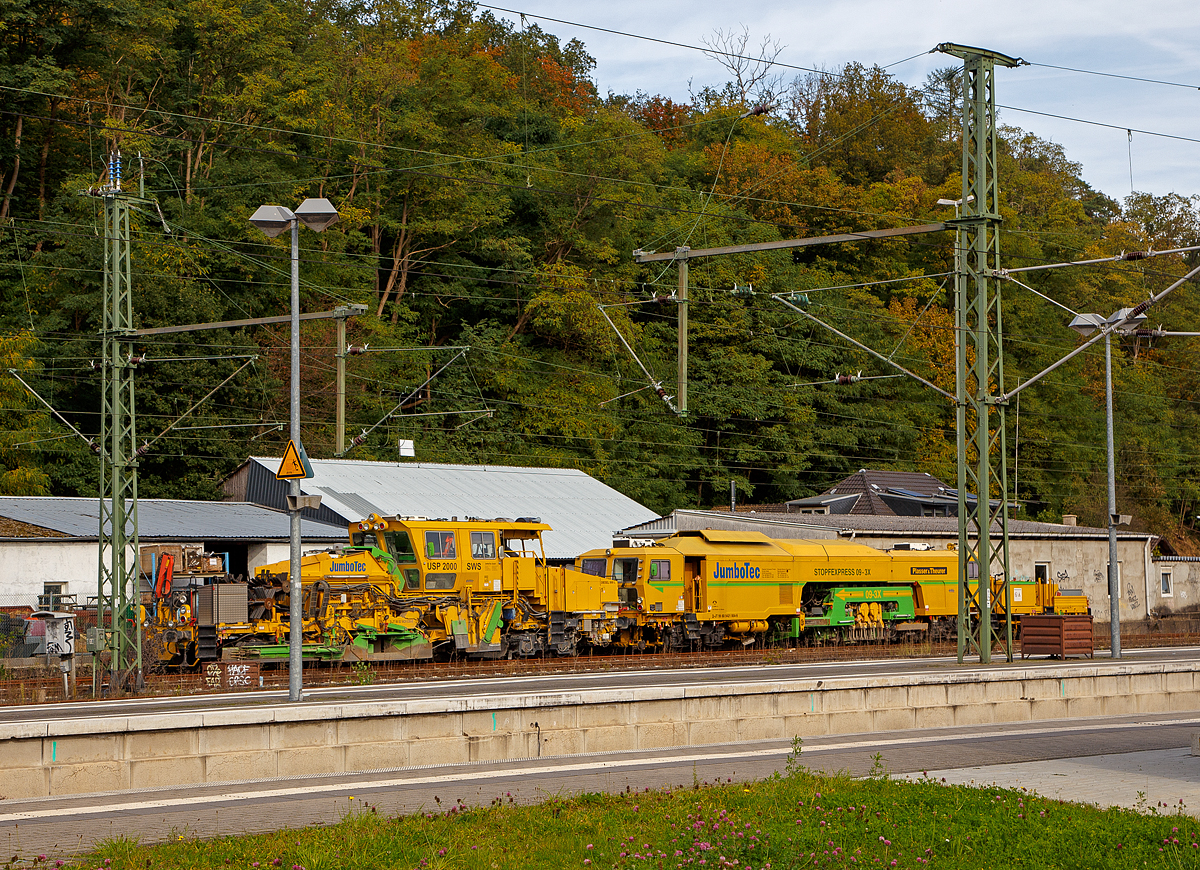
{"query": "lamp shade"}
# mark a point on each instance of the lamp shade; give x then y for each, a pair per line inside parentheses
(1086, 324)
(317, 214)
(272, 219)
(1128, 324)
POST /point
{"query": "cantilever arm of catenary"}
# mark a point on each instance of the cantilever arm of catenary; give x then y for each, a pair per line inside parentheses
(141, 450)
(780, 298)
(1070, 311)
(1115, 258)
(90, 442)
(624, 395)
(654, 384)
(1107, 329)
(360, 438)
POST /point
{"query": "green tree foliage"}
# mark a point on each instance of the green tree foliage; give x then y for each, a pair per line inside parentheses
(490, 199)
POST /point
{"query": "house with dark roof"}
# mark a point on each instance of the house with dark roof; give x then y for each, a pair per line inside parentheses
(870, 492)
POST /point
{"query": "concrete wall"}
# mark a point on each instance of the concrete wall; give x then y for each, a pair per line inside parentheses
(145, 751)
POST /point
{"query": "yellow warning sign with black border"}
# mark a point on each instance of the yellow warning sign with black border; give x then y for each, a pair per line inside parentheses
(295, 465)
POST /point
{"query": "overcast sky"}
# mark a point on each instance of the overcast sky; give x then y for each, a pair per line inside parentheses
(1154, 39)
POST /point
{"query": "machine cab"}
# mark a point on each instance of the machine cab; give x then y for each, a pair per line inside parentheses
(443, 555)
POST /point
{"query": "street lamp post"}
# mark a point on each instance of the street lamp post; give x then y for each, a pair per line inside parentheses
(273, 220)
(1085, 325)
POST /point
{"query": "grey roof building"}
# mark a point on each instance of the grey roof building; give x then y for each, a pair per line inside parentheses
(582, 511)
(818, 526)
(159, 519)
(48, 545)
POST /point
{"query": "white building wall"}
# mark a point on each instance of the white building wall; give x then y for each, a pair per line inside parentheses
(25, 568)
(1184, 585)
(261, 555)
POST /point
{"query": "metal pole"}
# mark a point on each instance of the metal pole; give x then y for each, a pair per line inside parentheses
(339, 444)
(681, 399)
(295, 618)
(1114, 590)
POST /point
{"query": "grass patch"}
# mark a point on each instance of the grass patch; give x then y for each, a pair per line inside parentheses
(792, 821)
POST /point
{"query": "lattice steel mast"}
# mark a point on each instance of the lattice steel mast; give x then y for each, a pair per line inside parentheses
(118, 598)
(979, 371)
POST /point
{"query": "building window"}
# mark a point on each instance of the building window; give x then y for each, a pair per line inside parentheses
(1041, 572)
(51, 597)
(1106, 564)
(1164, 580)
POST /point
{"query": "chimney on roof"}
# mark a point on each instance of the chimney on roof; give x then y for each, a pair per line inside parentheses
(1069, 519)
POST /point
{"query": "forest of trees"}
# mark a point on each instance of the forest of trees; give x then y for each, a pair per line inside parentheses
(491, 198)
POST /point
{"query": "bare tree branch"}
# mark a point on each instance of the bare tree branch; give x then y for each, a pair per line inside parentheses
(752, 77)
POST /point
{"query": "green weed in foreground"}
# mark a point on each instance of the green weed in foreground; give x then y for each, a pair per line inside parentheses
(794, 821)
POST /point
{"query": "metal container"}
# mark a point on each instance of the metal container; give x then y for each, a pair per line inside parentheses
(222, 603)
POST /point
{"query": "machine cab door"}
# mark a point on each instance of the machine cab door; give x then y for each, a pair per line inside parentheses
(483, 562)
(625, 575)
(693, 593)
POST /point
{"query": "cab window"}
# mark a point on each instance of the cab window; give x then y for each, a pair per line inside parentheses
(439, 581)
(412, 578)
(593, 566)
(483, 545)
(400, 546)
(364, 539)
(625, 570)
(660, 569)
(440, 545)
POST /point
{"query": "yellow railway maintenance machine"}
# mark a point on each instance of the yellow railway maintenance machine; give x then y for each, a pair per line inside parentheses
(710, 588)
(414, 588)
(404, 588)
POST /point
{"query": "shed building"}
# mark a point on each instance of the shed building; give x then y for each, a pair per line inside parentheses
(582, 511)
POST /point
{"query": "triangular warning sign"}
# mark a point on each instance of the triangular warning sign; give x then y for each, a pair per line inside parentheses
(294, 465)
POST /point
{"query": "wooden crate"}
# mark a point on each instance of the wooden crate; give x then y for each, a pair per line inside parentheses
(1058, 635)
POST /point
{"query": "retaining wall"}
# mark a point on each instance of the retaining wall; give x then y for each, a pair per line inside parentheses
(61, 757)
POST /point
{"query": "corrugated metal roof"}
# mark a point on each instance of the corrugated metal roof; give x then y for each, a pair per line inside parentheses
(582, 511)
(167, 519)
(811, 523)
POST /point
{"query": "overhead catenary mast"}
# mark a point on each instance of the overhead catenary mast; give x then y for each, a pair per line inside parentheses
(117, 594)
(980, 401)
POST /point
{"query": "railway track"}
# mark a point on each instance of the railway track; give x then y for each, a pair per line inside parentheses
(38, 688)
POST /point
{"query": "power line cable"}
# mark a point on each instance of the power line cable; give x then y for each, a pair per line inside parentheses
(1091, 72)
(1122, 127)
(703, 50)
